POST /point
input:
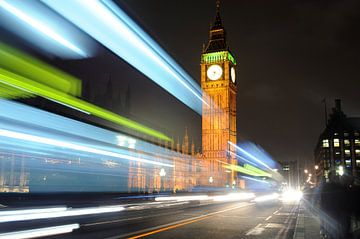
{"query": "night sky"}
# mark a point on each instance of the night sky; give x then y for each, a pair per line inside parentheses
(291, 54)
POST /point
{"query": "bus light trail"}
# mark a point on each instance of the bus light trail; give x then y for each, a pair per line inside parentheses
(132, 44)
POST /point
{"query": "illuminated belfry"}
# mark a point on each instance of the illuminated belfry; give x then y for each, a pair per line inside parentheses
(218, 69)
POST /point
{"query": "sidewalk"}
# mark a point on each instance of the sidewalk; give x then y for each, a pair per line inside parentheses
(307, 224)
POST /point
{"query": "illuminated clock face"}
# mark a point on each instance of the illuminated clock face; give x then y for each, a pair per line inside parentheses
(233, 75)
(214, 72)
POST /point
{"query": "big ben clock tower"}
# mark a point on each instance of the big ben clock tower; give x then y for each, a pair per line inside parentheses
(218, 82)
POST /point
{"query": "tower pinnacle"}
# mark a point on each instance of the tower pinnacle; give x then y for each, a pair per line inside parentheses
(217, 6)
(217, 38)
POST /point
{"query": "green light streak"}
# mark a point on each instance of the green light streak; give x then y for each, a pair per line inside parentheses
(257, 170)
(25, 65)
(36, 88)
(8, 92)
(253, 171)
(217, 56)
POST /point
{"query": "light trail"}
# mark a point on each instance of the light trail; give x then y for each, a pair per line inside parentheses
(39, 89)
(183, 198)
(266, 198)
(250, 155)
(29, 67)
(58, 143)
(69, 212)
(132, 44)
(248, 171)
(39, 25)
(32, 211)
(23, 114)
(40, 232)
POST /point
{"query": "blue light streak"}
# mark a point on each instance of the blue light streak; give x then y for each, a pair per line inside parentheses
(42, 27)
(109, 25)
(250, 156)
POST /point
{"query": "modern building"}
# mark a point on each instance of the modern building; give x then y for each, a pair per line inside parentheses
(338, 147)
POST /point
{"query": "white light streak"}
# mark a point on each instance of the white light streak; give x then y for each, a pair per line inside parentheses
(63, 144)
(122, 36)
(69, 212)
(183, 198)
(31, 211)
(249, 155)
(266, 198)
(40, 232)
(40, 27)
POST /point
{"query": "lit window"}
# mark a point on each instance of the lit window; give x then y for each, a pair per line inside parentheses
(336, 143)
(348, 163)
(325, 143)
(346, 134)
(356, 133)
(346, 142)
(326, 174)
(357, 163)
(357, 152)
(347, 152)
(357, 142)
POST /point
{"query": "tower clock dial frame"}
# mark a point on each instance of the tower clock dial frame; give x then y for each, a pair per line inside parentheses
(233, 74)
(214, 72)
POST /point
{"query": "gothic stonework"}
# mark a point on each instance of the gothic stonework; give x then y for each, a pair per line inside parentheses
(218, 81)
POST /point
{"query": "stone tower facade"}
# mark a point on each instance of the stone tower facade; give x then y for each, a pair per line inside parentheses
(218, 81)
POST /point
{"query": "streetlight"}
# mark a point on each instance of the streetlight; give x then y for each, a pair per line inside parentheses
(211, 180)
(162, 175)
(306, 171)
(316, 167)
(341, 170)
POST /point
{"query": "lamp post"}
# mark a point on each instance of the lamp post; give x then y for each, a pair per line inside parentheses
(162, 176)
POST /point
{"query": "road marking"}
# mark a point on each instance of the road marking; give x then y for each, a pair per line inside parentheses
(274, 225)
(112, 221)
(256, 230)
(267, 219)
(172, 225)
